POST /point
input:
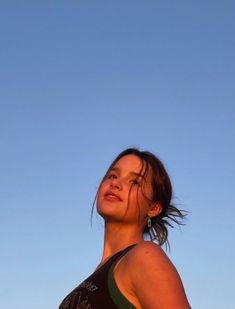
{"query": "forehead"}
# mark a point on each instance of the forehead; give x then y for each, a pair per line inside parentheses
(130, 162)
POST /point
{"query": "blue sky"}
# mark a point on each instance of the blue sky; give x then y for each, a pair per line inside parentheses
(79, 82)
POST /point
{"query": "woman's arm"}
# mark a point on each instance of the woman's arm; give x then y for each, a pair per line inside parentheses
(155, 281)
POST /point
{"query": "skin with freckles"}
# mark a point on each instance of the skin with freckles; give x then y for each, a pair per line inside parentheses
(145, 275)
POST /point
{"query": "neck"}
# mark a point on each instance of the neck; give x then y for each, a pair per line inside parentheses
(118, 237)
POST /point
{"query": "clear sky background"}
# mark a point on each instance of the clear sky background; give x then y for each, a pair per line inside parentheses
(79, 82)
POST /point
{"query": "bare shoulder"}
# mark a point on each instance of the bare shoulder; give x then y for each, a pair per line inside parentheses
(152, 263)
(147, 246)
(149, 266)
(148, 252)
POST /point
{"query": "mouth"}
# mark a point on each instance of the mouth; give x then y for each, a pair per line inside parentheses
(111, 196)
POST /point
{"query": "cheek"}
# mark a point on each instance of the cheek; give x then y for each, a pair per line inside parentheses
(148, 191)
(100, 192)
(136, 199)
(144, 198)
(104, 186)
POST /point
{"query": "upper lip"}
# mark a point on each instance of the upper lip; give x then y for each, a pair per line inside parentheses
(112, 193)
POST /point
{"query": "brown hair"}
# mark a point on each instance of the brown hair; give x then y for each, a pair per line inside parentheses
(162, 193)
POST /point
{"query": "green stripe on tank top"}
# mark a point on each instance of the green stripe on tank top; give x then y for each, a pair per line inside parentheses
(118, 298)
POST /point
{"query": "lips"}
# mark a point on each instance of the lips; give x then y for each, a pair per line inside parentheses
(110, 195)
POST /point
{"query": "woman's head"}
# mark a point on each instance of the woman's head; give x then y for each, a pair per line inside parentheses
(140, 179)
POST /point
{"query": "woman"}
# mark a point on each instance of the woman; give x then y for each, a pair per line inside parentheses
(134, 198)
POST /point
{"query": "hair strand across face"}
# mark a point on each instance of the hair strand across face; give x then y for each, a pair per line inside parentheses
(161, 193)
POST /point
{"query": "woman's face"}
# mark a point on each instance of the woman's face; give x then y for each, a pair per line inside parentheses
(122, 194)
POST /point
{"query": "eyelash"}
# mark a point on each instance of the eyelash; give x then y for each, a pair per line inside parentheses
(135, 182)
(113, 176)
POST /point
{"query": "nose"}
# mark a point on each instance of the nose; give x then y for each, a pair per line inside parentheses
(115, 184)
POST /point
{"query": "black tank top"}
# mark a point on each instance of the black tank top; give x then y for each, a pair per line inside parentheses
(99, 291)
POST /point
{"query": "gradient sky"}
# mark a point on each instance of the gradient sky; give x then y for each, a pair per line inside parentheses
(79, 82)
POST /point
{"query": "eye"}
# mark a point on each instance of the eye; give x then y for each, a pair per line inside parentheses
(135, 182)
(112, 176)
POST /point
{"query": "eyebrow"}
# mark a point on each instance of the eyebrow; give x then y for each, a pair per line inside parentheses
(117, 169)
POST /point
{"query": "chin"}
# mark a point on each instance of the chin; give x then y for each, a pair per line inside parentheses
(109, 215)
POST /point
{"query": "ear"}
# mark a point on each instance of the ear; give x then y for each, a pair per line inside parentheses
(155, 210)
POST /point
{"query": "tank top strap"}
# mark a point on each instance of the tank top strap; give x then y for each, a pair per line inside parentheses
(118, 298)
